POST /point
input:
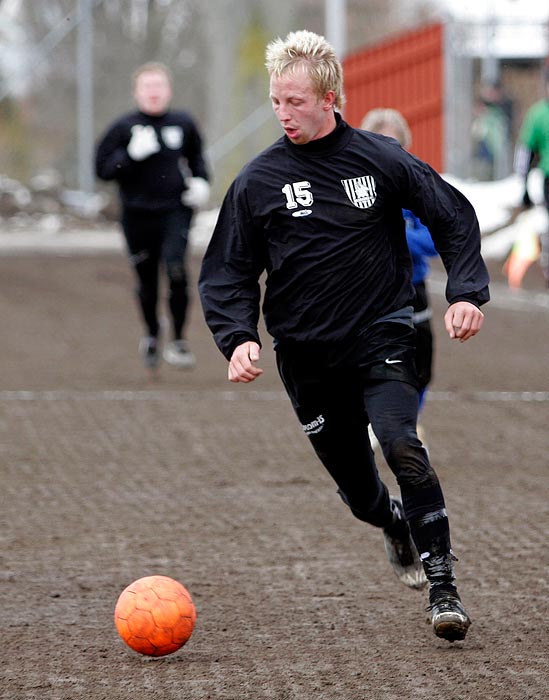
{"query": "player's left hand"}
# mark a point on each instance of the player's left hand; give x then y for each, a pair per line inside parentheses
(197, 193)
(463, 320)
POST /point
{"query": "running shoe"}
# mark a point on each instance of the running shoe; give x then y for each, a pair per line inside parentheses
(148, 349)
(177, 353)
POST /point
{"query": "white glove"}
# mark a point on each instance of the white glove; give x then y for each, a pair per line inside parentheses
(197, 193)
(143, 142)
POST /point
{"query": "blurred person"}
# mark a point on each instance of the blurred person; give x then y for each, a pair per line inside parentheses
(390, 122)
(320, 211)
(533, 146)
(156, 157)
(492, 132)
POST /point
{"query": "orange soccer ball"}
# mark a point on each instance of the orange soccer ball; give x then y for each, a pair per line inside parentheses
(155, 615)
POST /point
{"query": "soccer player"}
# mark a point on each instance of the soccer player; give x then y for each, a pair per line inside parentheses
(320, 211)
(534, 140)
(155, 155)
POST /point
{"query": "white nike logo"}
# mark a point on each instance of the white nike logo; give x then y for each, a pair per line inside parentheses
(391, 362)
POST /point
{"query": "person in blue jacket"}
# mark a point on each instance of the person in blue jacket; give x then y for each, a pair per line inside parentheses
(390, 122)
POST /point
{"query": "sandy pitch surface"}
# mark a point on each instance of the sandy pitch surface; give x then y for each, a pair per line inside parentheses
(110, 474)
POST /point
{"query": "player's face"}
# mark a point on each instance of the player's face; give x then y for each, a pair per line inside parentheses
(304, 115)
(153, 92)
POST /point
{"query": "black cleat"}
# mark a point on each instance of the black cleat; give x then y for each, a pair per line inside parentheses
(448, 616)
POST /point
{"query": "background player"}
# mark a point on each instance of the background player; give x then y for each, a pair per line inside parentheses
(156, 157)
(533, 142)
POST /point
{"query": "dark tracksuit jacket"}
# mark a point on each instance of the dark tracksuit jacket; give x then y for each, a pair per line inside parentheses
(156, 183)
(154, 219)
(324, 220)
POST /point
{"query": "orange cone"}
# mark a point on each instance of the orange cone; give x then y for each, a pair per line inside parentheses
(525, 251)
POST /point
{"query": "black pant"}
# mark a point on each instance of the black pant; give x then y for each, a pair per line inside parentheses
(336, 392)
(156, 239)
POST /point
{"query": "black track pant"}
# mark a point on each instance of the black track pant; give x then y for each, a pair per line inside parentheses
(336, 392)
(155, 240)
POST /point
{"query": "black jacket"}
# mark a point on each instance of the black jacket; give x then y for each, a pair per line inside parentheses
(324, 220)
(155, 183)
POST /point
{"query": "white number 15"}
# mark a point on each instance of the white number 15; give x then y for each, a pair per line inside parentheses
(298, 193)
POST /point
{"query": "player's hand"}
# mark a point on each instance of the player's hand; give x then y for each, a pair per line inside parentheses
(197, 193)
(143, 142)
(241, 366)
(463, 320)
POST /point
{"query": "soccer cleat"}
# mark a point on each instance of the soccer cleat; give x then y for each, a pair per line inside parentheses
(148, 349)
(401, 550)
(448, 616)
(177, 353)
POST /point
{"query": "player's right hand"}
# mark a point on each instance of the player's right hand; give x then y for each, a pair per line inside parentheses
(143, 142)
(241, 366)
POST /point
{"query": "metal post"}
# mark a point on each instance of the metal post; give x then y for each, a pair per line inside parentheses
(335, 19)
(85, 96)
(458, 100)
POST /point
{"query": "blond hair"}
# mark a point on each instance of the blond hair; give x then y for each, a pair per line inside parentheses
(151, 67)
(379, 120)
(313, 53)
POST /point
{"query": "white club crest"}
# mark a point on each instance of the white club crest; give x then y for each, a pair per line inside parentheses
(172, 136)
(361, 191)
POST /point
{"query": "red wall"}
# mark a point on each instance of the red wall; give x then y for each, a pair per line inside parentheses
(405, 73)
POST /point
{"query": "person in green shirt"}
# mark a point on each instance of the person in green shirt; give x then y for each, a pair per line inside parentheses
(533, 142)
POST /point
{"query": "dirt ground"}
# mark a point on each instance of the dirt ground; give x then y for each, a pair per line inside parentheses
(110, 474)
